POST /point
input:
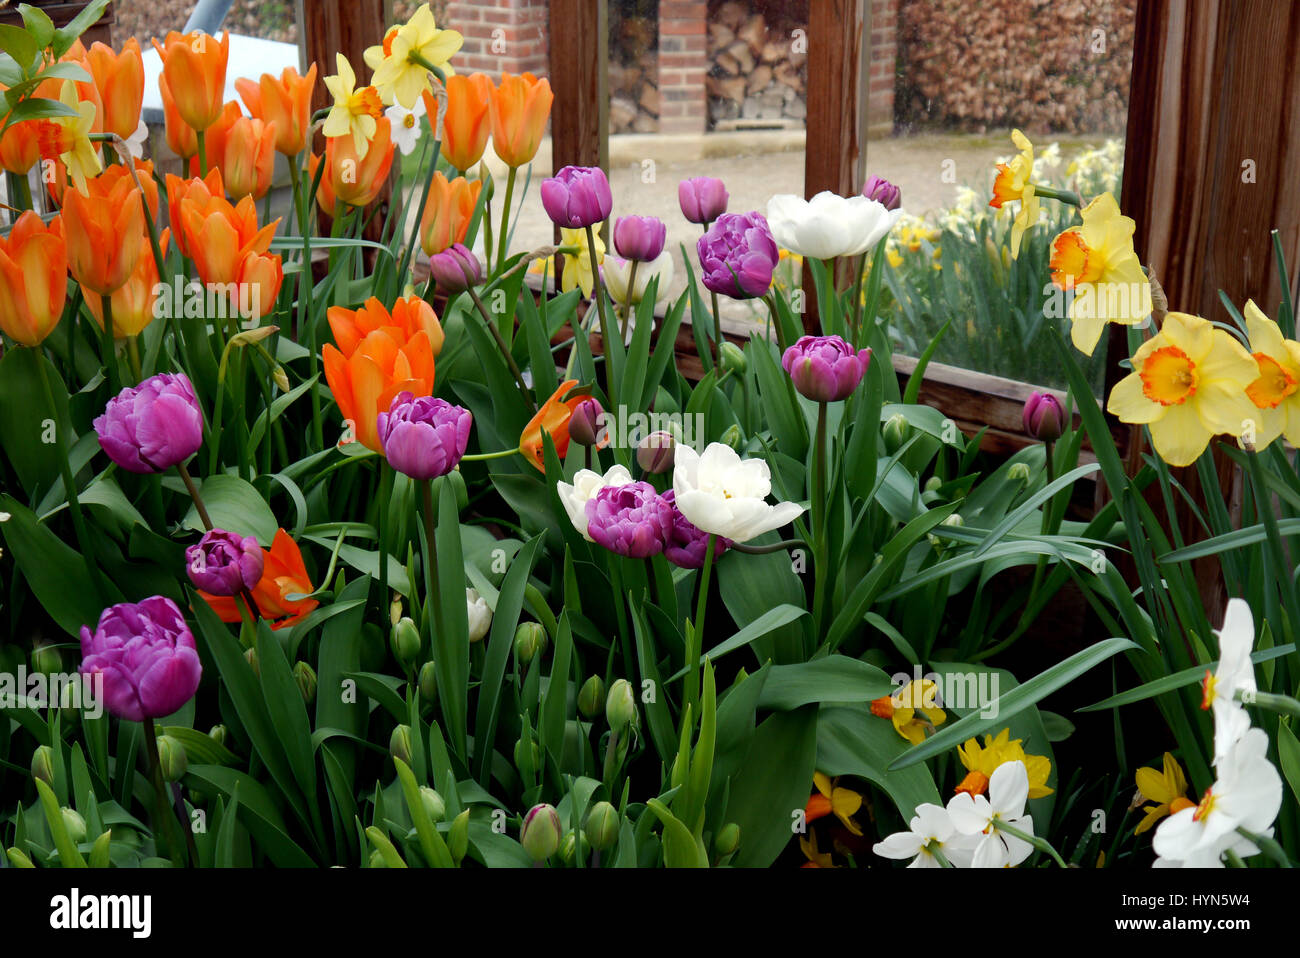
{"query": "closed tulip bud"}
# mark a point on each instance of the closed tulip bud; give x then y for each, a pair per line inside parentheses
(728, 839)
(591, 697)
(639, 238)
(377, 860)
(1019, 472)
(568, 847)
(218, 734)
(732, 358)
(305, 676)
(702, 199)
(540, 834)
(428, 682)
(577, 197)
(43, 764)
(172, 758)
(480, 616)
(46, 659)
(405, 640)
(434, 806)
(1044, 417)
(933, 484)
(602, 826)
(883, 192)
(456, 268)
(74, 824)
(655, 452)
(733, 437)
(896, 431)
(620, 705)
(526, 749)
(953, 521)
(530, 640)
(250, 656)
(458, 836)
(586, 422)
(399, 743)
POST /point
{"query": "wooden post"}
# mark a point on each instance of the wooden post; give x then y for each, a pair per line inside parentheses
(579, 31)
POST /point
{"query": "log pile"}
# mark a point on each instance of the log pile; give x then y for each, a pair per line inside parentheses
(757, 66)
(633, 70)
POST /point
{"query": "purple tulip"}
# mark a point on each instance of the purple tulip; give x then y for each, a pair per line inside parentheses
(687, 545)
(586, 422)
(703, 199)
(423, 438)
(883, 192)
(224, 563)
(640, 238)
(825, 368)
(577, 196)
(631, 519)
(153, 426)
(656, 452)
(738, 255)
(146, 655)
(1044, 417)
(456, 268)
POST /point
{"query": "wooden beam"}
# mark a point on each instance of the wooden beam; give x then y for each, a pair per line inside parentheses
(579, 56)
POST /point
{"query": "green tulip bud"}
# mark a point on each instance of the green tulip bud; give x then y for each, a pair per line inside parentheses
(458, 836)
(620, 706)
(953, 521)
(428, 682)
(43, 764)
(47, 660)
(1019, 472)
(740, 677)
(172, 758)
(568, 847)
(733, 437)
(591, 697)
(530, 640)
(218, 734)
(540, 834)
(732, 358)
(399, 743)
(74, 824)
(405, 640)
(602, 826)
(896, 431)
(377, 860)
(305, 676)
(520, 754)
(434, 806)
(728, 839)
(250, 656)
(933, 484)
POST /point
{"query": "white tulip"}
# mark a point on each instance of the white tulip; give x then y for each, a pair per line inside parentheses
(478, 613)
(979, 817)
(586, 484)
(721, 493)
(617, 271)
(1235, 674)
(828, 225)
(930, 830)
(1247, 794)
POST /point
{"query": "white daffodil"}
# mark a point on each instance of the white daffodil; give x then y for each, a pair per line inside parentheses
(406, 125)
(720, 493)
(617, 271)
(480, 616)
(1236, 673)
(828, 225)
(586, 484)
(980, 817)
(930, 830)
(1247, 794)
(136, 141)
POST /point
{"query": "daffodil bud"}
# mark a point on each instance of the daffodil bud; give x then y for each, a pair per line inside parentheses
(305, 676)
(404, 638)
(733, 437)
(728, 839)
(896, 432)
(458, 836)
(399, 743)
(281, 379)
(74, 824)
(732, 358)
(540, 834)
(602, 826)
(530, 640)
(591, 697)
(620, 706)
(1018, 472)
(43, 764)
(434, 806)
(172, 758)
(395, 611)
(428, 682)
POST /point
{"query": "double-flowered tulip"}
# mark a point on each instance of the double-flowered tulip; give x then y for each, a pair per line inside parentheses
(144, 654)
(224, 563)
(883, 192)
(577, 197)
(825, 368)
(738, 255)
(724, 495)
(423, 437)
(829, 225)
(687, 544)
(630, 519)
(153, 426)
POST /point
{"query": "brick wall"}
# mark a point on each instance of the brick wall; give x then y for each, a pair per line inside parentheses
(501, 36)
(884, 57)
(683, 62)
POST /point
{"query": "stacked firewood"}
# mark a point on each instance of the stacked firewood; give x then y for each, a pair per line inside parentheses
(758, 65)
(633, 69)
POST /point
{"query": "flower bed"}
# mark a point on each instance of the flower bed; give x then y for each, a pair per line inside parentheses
(368, 584)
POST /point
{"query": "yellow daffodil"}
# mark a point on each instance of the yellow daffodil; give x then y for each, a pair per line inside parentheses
(1012, 183)
(1098, 262)
(577, 266)
(833, 799)
(1168, 787)
(355, 110)
(402, 63)
(816, 859)
(1276, 391)
(981, 762)
(1188, 385)
(68, 138)
(912, 709)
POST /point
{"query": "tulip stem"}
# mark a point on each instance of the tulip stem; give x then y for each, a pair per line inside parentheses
(821, 583)
(717, 329)
(133, 354)
(598, 291)
(163, 811)
(855, 329)
(107, 345)
(194, 494)
(695, 637)
(199, 137)
(631, 294)
(385, 497)
(482, 456)
(20, 191)
(504, 241)
(501, 343)
(307, 328)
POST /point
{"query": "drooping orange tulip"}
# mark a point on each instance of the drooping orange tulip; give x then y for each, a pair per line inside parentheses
(194, 66)
(119, 77)
(133, 303)
(286, 102)
(553, 419)
(448, 212)
(379, 355)
(181, 138)
(284, 574)
(33, 278)
(219, 235)
(520, 107)
(105, 232)
(353, 181)
(468, 120)
(243, 148)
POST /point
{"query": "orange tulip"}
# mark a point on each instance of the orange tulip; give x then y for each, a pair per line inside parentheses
(33, 278)
(133, 303)
(353, 181)
(260, 276)
(378, 356)
(520, 106)
(553, 419)
(178, 190)
(20, 145)
(468, 120)
(105, 232)
(283, 574)
(448, 212)
(286, 102)
(243, 148)
(219, 235)
(87, 90)
(143, 172)
(181, 138)
(194, 66)
(119, 78)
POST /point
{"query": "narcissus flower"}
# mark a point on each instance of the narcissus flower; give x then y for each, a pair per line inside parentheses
(194, 66)
(978, 816)
(133, 302)
(351, 177)
(68, 138)
(406, 126)
(1235, 675)
(468, 120)
(401, 64)
(380, 355)
(831, 798)
(1276, 391)
(724, 495)
(1168, 788)
(519, 109)
(913, 709)
(448, 212)
(929, 831)
(286, 102)
(104, 226)
(1188, 385)
(119, 78)
(355, 112)
(1012, 183)
(982, 762)
(553, 419)
(577, 266)
(279, 593)
(1098, 262)
(33, 278)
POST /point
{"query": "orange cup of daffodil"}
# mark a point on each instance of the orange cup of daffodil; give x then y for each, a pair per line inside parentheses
(284, 574)
(553, 419)
(194, 66)
(448, 212)
(353, 181)
(468, 120)
(520, 107)
(133, 302)
(380, 354)
(105, 232)
(286, 102)
(33, 278)
(119, 78)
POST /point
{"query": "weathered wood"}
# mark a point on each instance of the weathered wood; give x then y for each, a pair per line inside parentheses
(61, 14)
(578, 66)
